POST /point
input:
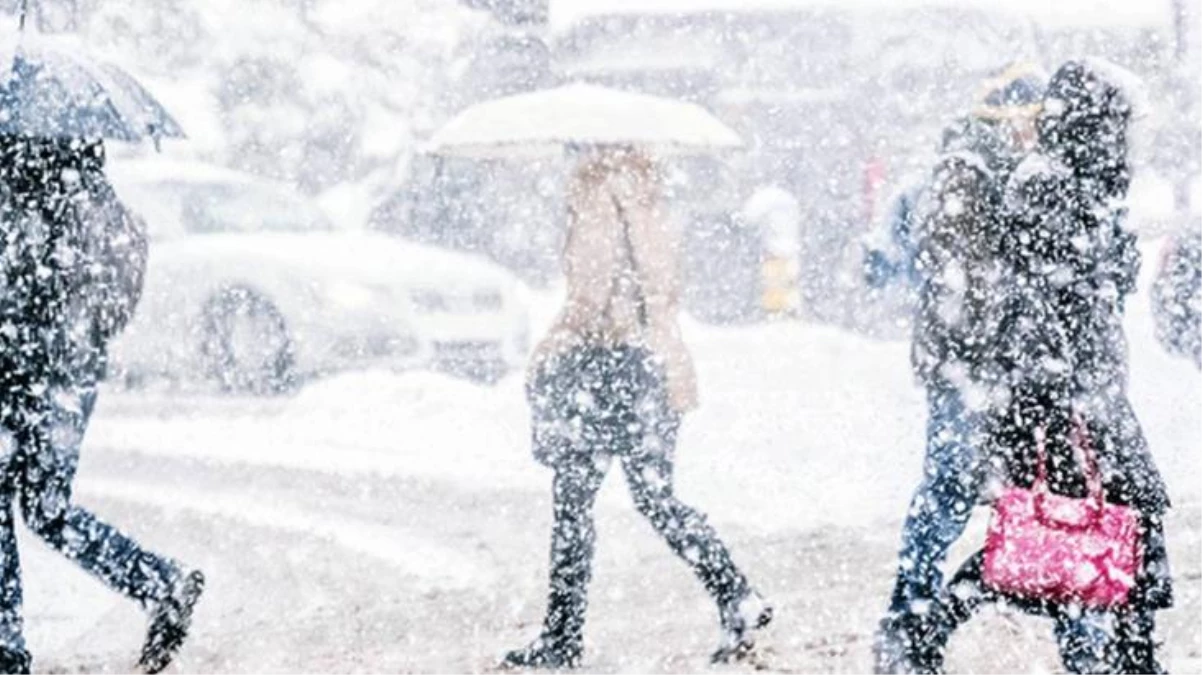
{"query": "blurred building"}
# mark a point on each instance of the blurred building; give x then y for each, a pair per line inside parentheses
(839, 104)
(515, 12)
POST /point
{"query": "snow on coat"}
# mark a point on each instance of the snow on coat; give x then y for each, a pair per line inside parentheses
(72, 259)
(1070, 263)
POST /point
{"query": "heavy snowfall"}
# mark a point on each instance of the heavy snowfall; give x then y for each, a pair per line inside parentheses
(372, 294)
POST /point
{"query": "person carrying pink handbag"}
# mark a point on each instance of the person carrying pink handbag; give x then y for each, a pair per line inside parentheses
(1059, 359)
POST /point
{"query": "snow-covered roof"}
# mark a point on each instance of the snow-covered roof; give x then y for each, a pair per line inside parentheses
(1061, 13)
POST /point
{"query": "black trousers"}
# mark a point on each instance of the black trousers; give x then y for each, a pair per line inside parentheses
(609, 405)
(1120, 640)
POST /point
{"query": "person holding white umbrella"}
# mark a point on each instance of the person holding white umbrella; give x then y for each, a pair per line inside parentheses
(613, 378)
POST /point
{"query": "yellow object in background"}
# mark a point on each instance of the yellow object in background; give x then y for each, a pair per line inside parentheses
(779, 281)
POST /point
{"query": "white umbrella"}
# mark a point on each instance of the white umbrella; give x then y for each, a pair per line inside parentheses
(543, 122)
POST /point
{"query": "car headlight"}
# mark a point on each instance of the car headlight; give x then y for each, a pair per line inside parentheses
(426, 300)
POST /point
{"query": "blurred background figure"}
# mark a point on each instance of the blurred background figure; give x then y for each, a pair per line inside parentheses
(776, 214)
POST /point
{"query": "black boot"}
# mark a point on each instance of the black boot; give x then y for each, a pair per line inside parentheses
(1135, 648)
(909, 643)
(547, 652)
(740, 622)
(169, 622)
(14, 661)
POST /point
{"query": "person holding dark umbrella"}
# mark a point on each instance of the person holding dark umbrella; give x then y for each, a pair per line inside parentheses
(72, 261)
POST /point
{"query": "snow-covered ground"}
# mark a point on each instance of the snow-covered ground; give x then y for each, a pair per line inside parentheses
(382, 521)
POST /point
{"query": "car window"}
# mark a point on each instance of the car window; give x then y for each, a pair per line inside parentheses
(238, 208)
(174, 208)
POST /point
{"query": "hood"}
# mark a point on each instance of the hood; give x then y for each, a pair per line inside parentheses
(1085, 125)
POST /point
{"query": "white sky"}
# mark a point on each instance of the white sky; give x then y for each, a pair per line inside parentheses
(1058, 12)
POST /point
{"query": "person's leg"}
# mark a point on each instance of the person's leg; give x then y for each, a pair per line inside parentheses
(940, 508)
(47, 472)
(686, 530)
(47, 468)
(1135, 642)
(13, 656)
(573, 540)
(915, 642)
(1086, 639)
(648, 466)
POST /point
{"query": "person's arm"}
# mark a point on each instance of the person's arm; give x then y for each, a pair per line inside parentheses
(656, 251)
(588, 262)
(1122, 260)
(119, 255)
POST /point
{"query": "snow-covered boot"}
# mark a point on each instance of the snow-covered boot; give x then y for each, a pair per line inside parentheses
(909, 643)
(14, 661)
(741, 620)
(169, 622)
(546, 652)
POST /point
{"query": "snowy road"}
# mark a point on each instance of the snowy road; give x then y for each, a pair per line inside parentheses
(395, 522)
(311, 573)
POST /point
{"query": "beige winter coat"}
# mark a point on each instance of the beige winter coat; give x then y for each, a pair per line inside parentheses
(602, 296)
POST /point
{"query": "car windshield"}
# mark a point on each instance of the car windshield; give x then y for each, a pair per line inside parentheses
(173, 208)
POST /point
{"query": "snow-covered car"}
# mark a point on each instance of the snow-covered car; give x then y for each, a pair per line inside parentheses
(1177, 294)
(251, 285)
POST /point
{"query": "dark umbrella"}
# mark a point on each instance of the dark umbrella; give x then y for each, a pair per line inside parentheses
(53, 91)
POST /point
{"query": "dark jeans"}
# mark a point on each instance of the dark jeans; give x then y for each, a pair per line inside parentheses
(943, 502)
(573, 538)
(628, 419)
(39, 452)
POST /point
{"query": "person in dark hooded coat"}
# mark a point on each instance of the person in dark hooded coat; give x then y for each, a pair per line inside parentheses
(72, 260)
(1061, 353)
(954, 228)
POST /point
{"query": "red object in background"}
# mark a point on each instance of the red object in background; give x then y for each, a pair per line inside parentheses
(1048, 547)
(875, 172)
(1166, 254)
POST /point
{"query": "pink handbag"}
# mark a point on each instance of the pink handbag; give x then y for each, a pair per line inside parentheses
(1047, 547)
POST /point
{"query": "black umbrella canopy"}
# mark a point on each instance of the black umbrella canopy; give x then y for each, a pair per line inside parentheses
(54, 90)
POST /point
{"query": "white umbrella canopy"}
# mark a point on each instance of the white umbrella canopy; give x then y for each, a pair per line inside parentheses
(544, 122)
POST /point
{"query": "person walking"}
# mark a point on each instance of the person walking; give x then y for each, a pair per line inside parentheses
(612, 380)
(1060, 347)
(72, 261)
(954, 225)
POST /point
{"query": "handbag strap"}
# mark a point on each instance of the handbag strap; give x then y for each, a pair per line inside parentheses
(1083, 447)
(628, 248)
(628, 251)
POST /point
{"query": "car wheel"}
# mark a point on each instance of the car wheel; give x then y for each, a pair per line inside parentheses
(246, 347)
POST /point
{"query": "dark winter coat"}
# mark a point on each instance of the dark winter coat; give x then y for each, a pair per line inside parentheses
(72, 260)
(1070, 264)
(958, 220)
